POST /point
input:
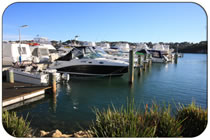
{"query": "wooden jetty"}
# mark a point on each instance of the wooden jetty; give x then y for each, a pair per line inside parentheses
(17, 92)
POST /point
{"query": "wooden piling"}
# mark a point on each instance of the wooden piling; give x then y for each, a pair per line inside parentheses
(131, 66)
(139, 65)
(52, 78)
(176, 58)
(150, 60)
(145, 62)
(11, 76)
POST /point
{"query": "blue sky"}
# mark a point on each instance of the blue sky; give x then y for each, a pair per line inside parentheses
(134, 22)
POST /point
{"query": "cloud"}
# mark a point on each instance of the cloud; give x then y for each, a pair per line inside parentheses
(12, 37)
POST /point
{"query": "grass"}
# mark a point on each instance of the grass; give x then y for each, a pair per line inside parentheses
(155, 121)
(195, 119)
(130, 121)
(16, 126)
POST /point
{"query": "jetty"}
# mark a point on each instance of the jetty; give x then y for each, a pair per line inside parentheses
(17, 92)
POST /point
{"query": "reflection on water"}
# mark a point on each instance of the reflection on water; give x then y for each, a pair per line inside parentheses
(169, 83)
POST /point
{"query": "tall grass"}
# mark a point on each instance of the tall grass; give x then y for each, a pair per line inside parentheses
(155, 121)
(195, 119)
(16, 126)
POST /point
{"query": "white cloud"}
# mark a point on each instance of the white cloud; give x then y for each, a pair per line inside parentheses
(12, 37)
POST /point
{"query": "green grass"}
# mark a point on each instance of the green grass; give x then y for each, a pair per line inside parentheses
(195, 119)
(16, 126)
(155, 121)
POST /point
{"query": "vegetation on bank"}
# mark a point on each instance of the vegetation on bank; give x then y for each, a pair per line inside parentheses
(189, 121)
(129, 121)
(16, 126)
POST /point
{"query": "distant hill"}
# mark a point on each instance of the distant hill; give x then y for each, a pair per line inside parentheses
(186, 47)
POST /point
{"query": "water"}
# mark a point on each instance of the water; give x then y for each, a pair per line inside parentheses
(162, 83)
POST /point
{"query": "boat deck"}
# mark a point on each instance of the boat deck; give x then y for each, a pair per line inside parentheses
(17, 92)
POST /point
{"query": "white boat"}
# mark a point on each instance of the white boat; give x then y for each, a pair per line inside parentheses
(15, 52)
(32, 75)
(165, 51)
(113, 57)
(121, 47)
(42, 50)
(157, 55)
(84, 61)
(36, 78)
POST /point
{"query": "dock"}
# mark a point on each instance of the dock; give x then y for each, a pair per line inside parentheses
(17, 92)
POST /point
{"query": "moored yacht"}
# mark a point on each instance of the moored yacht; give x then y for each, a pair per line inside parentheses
(84, 61)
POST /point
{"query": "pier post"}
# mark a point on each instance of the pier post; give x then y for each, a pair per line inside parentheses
(11, 75)
(139, 65)
(131, 66)
(145, 62)
(52, 78)
(150, 60)
(176, 58)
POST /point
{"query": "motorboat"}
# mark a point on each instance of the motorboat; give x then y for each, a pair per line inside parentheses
(108, 56)
(32, 74)
(42, 50)
(157, 55)
(15, 53)
(40, 54)
(113, 57)
(165, 50)
(121, 47)
(84, 61)
(26, 76)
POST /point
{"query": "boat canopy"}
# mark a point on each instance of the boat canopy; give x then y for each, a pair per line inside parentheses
(79, 53)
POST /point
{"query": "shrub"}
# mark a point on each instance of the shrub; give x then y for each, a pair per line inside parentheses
(166, 125)
(129, 122)
(16, 126)
(125, 122)
(195, 119)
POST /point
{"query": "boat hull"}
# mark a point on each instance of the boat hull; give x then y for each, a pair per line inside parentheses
(94, 70)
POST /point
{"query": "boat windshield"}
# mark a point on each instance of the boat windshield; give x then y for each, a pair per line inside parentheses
(100, 51)
(44, 51)
(85, 53)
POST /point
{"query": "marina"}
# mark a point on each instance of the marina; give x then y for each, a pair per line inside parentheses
(73, 107)
(122, 69)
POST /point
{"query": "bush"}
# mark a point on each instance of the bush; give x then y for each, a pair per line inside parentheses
(16, 126)
(129, 122)
(120, 123)
(195, 119)
(166, 125)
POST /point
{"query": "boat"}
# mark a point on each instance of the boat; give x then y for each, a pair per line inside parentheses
(165, 51)
(157, 55)
(103, 53)
(42, 50)
(40, 54)
(15, 53)
(33, 74)
(26, 76)
(121, 47)
(84, 61)
(108, 56)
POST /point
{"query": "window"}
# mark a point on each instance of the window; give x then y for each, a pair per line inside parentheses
(35, 53)
(22, 50)
(44, 52)
(52, 51)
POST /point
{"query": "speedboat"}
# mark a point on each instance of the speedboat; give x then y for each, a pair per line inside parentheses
(84, 61)
(108, 56)
(157, 55)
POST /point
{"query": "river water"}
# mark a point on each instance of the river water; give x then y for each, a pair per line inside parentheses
(163, 83)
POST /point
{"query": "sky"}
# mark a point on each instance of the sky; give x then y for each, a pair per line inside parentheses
(133, 22)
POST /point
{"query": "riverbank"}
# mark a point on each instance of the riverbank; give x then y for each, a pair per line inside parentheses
(129, 121)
